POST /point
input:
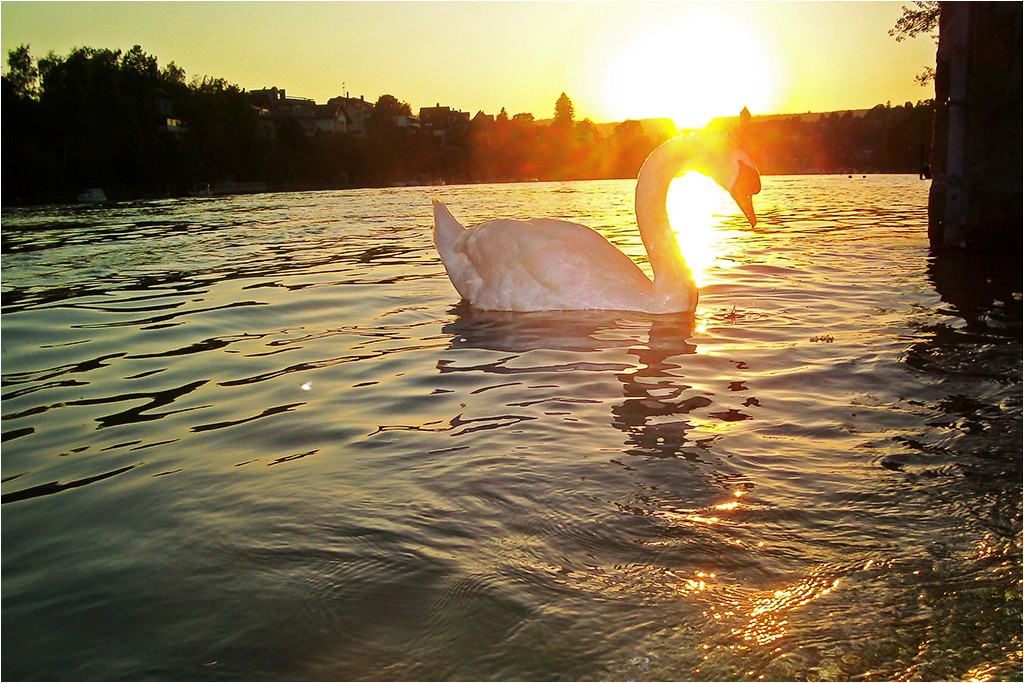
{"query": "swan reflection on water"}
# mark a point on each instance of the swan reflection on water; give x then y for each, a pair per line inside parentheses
(586, 331)
(656, 398)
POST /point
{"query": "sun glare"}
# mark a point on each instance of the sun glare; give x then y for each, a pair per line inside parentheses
(695, 203)
(690, 71)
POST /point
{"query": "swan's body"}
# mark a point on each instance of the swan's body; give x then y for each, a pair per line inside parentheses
(543, 264)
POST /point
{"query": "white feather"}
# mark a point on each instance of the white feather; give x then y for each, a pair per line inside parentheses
(544, 264)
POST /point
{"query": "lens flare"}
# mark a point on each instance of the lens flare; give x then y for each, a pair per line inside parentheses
(695, 205)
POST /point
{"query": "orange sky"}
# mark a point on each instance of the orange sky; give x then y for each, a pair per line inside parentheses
(615, 60)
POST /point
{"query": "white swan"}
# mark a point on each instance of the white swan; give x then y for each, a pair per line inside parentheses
(543, 264)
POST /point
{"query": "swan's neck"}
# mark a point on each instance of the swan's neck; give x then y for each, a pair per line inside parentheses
(652, 215)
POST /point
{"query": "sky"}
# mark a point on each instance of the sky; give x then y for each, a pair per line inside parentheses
(689, 61)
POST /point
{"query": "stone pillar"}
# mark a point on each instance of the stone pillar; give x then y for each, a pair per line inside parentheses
(976, 194)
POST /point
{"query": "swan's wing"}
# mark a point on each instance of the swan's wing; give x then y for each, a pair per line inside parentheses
(546, 264)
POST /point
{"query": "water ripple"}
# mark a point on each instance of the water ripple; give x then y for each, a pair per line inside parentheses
(815, 476)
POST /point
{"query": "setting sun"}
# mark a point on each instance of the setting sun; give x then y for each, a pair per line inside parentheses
(691, 71)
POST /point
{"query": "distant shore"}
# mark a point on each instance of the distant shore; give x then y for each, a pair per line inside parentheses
(119, 123)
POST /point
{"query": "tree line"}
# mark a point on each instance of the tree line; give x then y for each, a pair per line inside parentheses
(884, 139)
(118, 120)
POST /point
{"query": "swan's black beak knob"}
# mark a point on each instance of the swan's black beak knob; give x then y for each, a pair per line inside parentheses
(748, 183)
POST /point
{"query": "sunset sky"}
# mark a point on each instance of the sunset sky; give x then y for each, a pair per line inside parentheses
(615, 60)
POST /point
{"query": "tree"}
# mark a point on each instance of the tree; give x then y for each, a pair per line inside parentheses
(23, 74)
(386, 109)
(24, 154)
(925, 77)
(629, 147)
(174, 74)
(564, 112)
(923, 19)
(137, 62)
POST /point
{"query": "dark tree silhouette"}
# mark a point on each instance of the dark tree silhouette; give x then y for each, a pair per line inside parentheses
(565, 113)
(98, 117)
(22, 72)
(923, 18)
(386, 109)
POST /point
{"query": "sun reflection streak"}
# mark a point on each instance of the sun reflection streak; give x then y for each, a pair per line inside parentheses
(694, 200)
(698, 583)
(766, 616)
(763, 618)
(980, 673)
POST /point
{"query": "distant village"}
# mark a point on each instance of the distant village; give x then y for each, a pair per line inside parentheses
(348, 115)
(119, 123)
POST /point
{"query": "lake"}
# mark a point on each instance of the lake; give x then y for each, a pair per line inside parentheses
(259, 438)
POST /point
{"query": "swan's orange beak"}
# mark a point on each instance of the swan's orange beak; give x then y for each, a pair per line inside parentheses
(748, 183)
(746, 203)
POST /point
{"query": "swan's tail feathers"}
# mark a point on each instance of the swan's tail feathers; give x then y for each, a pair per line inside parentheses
(447, 230)
(448, 234)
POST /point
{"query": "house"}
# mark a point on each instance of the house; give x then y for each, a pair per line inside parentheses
(435, 118)
(410, 124)
(482, 119)
(173, 126)
(273, 104)
(330, 117)
(441, 120)
(160, 111)
(351, 117)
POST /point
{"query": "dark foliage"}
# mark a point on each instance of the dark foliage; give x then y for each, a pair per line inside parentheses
(922, 18)
(885, 139)
(102, 118)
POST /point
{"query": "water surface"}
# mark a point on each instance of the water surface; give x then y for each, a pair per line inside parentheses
(259, 438)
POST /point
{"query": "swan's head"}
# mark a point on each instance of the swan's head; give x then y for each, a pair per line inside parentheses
(746, 185)
(713, 154)
(731, 168)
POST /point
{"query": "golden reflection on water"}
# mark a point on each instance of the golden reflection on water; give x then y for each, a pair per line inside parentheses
(763, 618)
(767, 616)
(695, 204)
(981, 673)
(697, 583)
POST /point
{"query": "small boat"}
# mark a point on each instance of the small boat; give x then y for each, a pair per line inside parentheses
(94, 195)
(201, 190)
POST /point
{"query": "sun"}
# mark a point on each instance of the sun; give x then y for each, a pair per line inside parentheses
(691, 70)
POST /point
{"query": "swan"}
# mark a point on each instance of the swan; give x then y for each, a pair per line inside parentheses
(543, 264)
